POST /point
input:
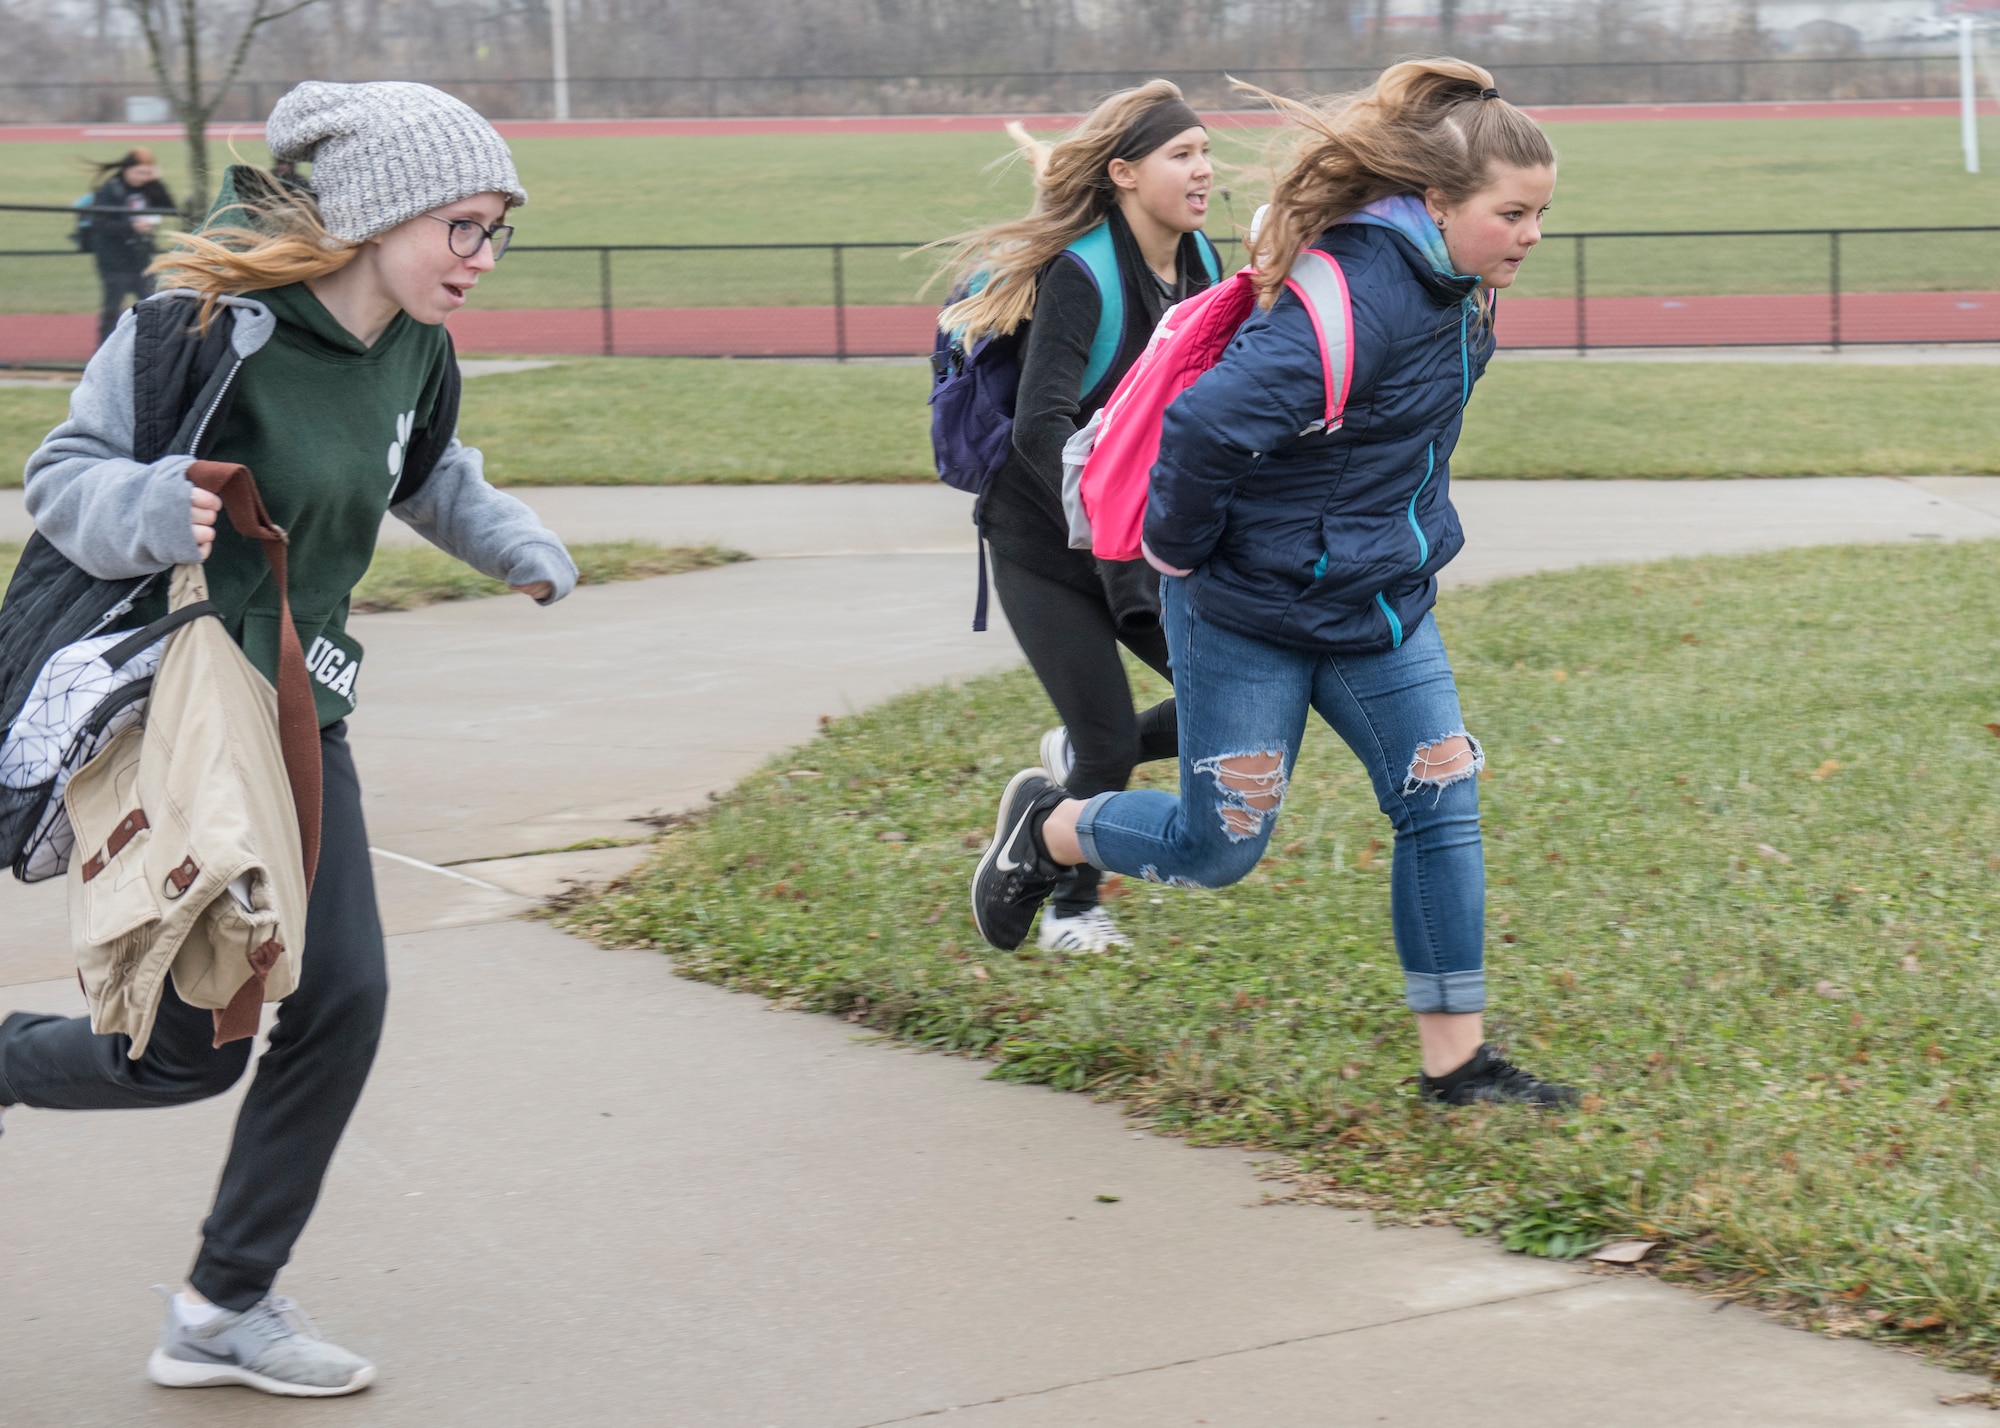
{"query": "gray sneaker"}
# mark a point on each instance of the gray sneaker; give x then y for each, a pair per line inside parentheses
(271, 1346)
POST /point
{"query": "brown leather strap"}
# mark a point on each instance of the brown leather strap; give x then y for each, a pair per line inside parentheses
(298, 718)
(238, 1020)
(129, 827)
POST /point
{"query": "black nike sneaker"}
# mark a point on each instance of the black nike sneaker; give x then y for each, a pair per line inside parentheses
(1490, 1077)
(1013, 878)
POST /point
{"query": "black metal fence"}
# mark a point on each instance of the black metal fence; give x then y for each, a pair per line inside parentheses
(1823, 287)
(1647, 81)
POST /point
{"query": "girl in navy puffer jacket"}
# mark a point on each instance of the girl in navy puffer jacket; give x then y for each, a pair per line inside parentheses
(1300, 565)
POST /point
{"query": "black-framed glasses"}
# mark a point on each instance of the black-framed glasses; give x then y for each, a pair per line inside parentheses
(468, 236)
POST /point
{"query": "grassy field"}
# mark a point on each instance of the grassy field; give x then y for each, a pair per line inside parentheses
(1535, 419)
(27, 414)
(1742, 839)
(405, 577)
(663, 421)
(614, 421)
(890, 187)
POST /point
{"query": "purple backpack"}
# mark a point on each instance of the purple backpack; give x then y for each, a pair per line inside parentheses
(973, 388)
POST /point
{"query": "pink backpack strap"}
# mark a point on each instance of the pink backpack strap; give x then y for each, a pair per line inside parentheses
(1322, 287)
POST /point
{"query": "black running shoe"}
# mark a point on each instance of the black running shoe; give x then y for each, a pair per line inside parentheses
(1489, 1076)
(1013, 879)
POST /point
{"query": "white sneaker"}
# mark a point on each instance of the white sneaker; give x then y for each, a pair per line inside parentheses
(1090, 931)
(271, 1346)
(1057, 755)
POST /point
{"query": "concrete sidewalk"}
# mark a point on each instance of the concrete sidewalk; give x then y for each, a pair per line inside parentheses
(1512, 527)
(582, 1190)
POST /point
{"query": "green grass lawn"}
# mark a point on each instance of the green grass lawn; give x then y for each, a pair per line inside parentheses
(900, 187)
(27, 414)
(653, 421)
(665, 421)
(1743, 830)
(1559, 418)
(405, 577)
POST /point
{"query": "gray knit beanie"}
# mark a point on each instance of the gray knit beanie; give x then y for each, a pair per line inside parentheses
(386, 151)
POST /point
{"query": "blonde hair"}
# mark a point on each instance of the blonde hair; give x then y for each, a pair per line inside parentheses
(1423, 124)
(277, 239)
(1073, 194)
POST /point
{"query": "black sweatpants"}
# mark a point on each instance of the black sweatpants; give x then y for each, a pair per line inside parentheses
(118, 283)
(1071, 641)
(321, 1047)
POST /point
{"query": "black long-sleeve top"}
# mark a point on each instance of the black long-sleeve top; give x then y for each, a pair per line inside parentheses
(1022, 514)
(118, 243)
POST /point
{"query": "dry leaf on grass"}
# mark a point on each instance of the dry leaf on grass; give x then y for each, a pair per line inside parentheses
(1625, 1252)
(1984, 1397)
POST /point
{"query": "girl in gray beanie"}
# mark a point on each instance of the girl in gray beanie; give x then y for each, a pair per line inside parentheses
(305, 343)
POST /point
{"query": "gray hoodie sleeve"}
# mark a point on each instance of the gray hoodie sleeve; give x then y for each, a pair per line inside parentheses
(491, 531)
(113, 516)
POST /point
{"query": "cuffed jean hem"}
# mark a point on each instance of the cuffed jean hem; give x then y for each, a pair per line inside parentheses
(1086, 837)
(1451, 992)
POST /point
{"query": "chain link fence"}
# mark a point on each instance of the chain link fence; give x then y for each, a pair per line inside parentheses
(1727, 288)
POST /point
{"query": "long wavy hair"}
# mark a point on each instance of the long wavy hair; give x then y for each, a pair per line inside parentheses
(271, 236)
(1423, 124)
(1073, 194)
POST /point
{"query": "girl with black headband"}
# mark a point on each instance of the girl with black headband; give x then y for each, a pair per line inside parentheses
(1119, 204)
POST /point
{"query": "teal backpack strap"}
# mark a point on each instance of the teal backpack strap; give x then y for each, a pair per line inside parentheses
(1210, 259)
(1099, 257)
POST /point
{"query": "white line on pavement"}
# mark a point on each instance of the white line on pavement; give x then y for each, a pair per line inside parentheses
(441, 872)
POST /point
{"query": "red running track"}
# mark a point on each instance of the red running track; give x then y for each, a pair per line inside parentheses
(987, 123)
(1800, 319)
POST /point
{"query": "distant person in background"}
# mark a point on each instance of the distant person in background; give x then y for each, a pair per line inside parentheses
(124, 246)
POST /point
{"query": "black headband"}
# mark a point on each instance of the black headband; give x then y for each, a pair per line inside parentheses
(1154, 128)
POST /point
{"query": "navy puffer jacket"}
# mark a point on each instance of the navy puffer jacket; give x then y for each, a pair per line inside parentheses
(1328, 541)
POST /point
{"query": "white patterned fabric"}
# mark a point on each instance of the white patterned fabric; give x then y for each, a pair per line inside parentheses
(48, 741)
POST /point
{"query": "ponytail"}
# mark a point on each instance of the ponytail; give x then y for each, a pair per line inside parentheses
(1424, 124)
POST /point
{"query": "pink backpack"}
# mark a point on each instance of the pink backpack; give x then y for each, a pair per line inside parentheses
(1108, 465)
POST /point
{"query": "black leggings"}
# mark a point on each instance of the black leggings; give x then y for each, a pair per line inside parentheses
(119, 283)
(322, 1044)
(1071, 641)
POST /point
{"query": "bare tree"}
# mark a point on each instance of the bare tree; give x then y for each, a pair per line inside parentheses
(175, 32)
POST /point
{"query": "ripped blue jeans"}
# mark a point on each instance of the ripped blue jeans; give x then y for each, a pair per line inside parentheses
(1243, 706)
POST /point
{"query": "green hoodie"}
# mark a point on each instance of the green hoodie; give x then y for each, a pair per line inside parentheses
(322, 421)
